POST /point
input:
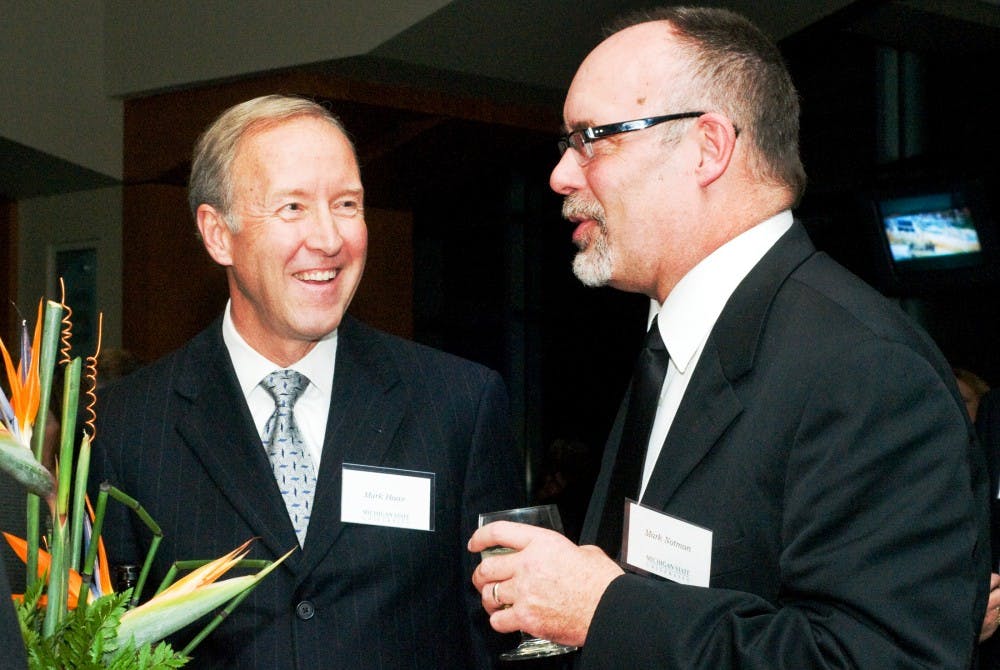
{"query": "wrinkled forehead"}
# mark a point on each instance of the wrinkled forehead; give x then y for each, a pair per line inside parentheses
(627, 76)
(298, 154)
(301, 128)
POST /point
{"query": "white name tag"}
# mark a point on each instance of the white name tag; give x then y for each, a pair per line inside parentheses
(666, 546)
(387, 497)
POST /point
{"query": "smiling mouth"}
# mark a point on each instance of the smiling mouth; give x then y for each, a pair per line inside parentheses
(316, 275)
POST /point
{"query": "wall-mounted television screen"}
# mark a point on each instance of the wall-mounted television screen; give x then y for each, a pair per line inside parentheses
(930, 230)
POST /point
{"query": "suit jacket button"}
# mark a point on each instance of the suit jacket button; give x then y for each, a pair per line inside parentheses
(305, 610)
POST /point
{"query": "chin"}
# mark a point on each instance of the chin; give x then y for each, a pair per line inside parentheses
(591, 269)
(317, 330)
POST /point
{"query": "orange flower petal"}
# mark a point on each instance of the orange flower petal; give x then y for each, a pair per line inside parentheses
(20, 548)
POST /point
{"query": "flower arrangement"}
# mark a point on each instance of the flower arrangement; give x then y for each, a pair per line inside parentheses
(70, 615)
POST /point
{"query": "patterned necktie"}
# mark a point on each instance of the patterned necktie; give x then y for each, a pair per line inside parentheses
(290, 460)
(647, 381)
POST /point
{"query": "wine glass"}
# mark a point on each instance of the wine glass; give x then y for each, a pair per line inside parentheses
(544, 516)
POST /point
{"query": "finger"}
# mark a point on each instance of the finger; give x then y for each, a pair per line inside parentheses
(515, 536)
(994, 600)
(478, 580)
(495, 569)
(489, 600)
(494, 597)
(504, 620)
(497, 595)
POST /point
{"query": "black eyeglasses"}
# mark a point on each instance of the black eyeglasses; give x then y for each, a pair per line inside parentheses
(581, 141)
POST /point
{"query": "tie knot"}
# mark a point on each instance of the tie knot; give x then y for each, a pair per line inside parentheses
(285, 386)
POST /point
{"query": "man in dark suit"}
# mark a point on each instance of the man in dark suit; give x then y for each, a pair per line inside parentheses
(395, 447)
(810, 492)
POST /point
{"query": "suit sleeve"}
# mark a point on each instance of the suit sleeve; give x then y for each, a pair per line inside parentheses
(879, 559)
(493, 481)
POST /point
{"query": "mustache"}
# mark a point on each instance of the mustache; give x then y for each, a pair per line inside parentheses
(575, 207)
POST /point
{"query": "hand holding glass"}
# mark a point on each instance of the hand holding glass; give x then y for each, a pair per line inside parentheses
(544, 516)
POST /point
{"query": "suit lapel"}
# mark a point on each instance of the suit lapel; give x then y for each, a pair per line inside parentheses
(711, 401)
(366, 408)
(708, 407)
(227, 444)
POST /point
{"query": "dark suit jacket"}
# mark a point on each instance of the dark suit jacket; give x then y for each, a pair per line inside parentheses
(988, 429)
(178, 436)
(824, 443)
(11, 642)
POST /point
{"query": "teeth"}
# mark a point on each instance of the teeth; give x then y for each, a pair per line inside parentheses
(317, 275)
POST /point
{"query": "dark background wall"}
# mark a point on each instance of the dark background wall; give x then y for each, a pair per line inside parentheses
(889, 113)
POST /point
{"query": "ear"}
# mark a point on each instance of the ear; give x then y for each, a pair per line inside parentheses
(717, 141)
(215, 234)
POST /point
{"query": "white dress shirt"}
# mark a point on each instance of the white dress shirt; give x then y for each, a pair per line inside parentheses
(689, 313)
(313, 406)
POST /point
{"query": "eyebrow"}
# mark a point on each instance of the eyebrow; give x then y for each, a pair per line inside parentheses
(356, 193)
(283, 193)
(299, 192)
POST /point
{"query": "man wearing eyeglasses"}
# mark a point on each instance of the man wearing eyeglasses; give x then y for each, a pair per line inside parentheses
(804, 490)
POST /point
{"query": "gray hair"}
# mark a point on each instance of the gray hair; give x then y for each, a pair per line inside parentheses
(211, 181)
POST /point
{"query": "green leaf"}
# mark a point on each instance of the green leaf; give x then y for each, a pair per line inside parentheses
(18, 462)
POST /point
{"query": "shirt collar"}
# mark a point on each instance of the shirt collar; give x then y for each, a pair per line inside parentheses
(251, 366)
(689, 313)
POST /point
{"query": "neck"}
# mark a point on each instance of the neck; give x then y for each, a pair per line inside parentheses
(723, 217)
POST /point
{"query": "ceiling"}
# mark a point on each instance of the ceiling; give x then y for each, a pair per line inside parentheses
(540, 44)
(528, 51)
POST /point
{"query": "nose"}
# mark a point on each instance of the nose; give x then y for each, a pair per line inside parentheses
(324, 234)
(567, 175)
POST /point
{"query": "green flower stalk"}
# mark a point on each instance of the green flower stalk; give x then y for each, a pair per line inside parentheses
(62, 529)
(48, 336)
(70, 616)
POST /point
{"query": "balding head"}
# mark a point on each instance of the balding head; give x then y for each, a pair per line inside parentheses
(671, 153)
(732, 67)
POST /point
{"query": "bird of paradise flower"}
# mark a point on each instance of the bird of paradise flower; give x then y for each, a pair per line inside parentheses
(70, 585)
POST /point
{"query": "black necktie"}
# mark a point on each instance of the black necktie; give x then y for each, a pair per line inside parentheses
(647, 380)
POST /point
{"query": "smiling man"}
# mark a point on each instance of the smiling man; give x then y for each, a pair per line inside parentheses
(289, 421)
(809, 491)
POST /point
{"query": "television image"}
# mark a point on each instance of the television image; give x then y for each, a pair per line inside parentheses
(934, 230)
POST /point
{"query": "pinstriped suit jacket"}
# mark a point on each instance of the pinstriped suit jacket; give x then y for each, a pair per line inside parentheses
(10, 632)
(178, 437)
